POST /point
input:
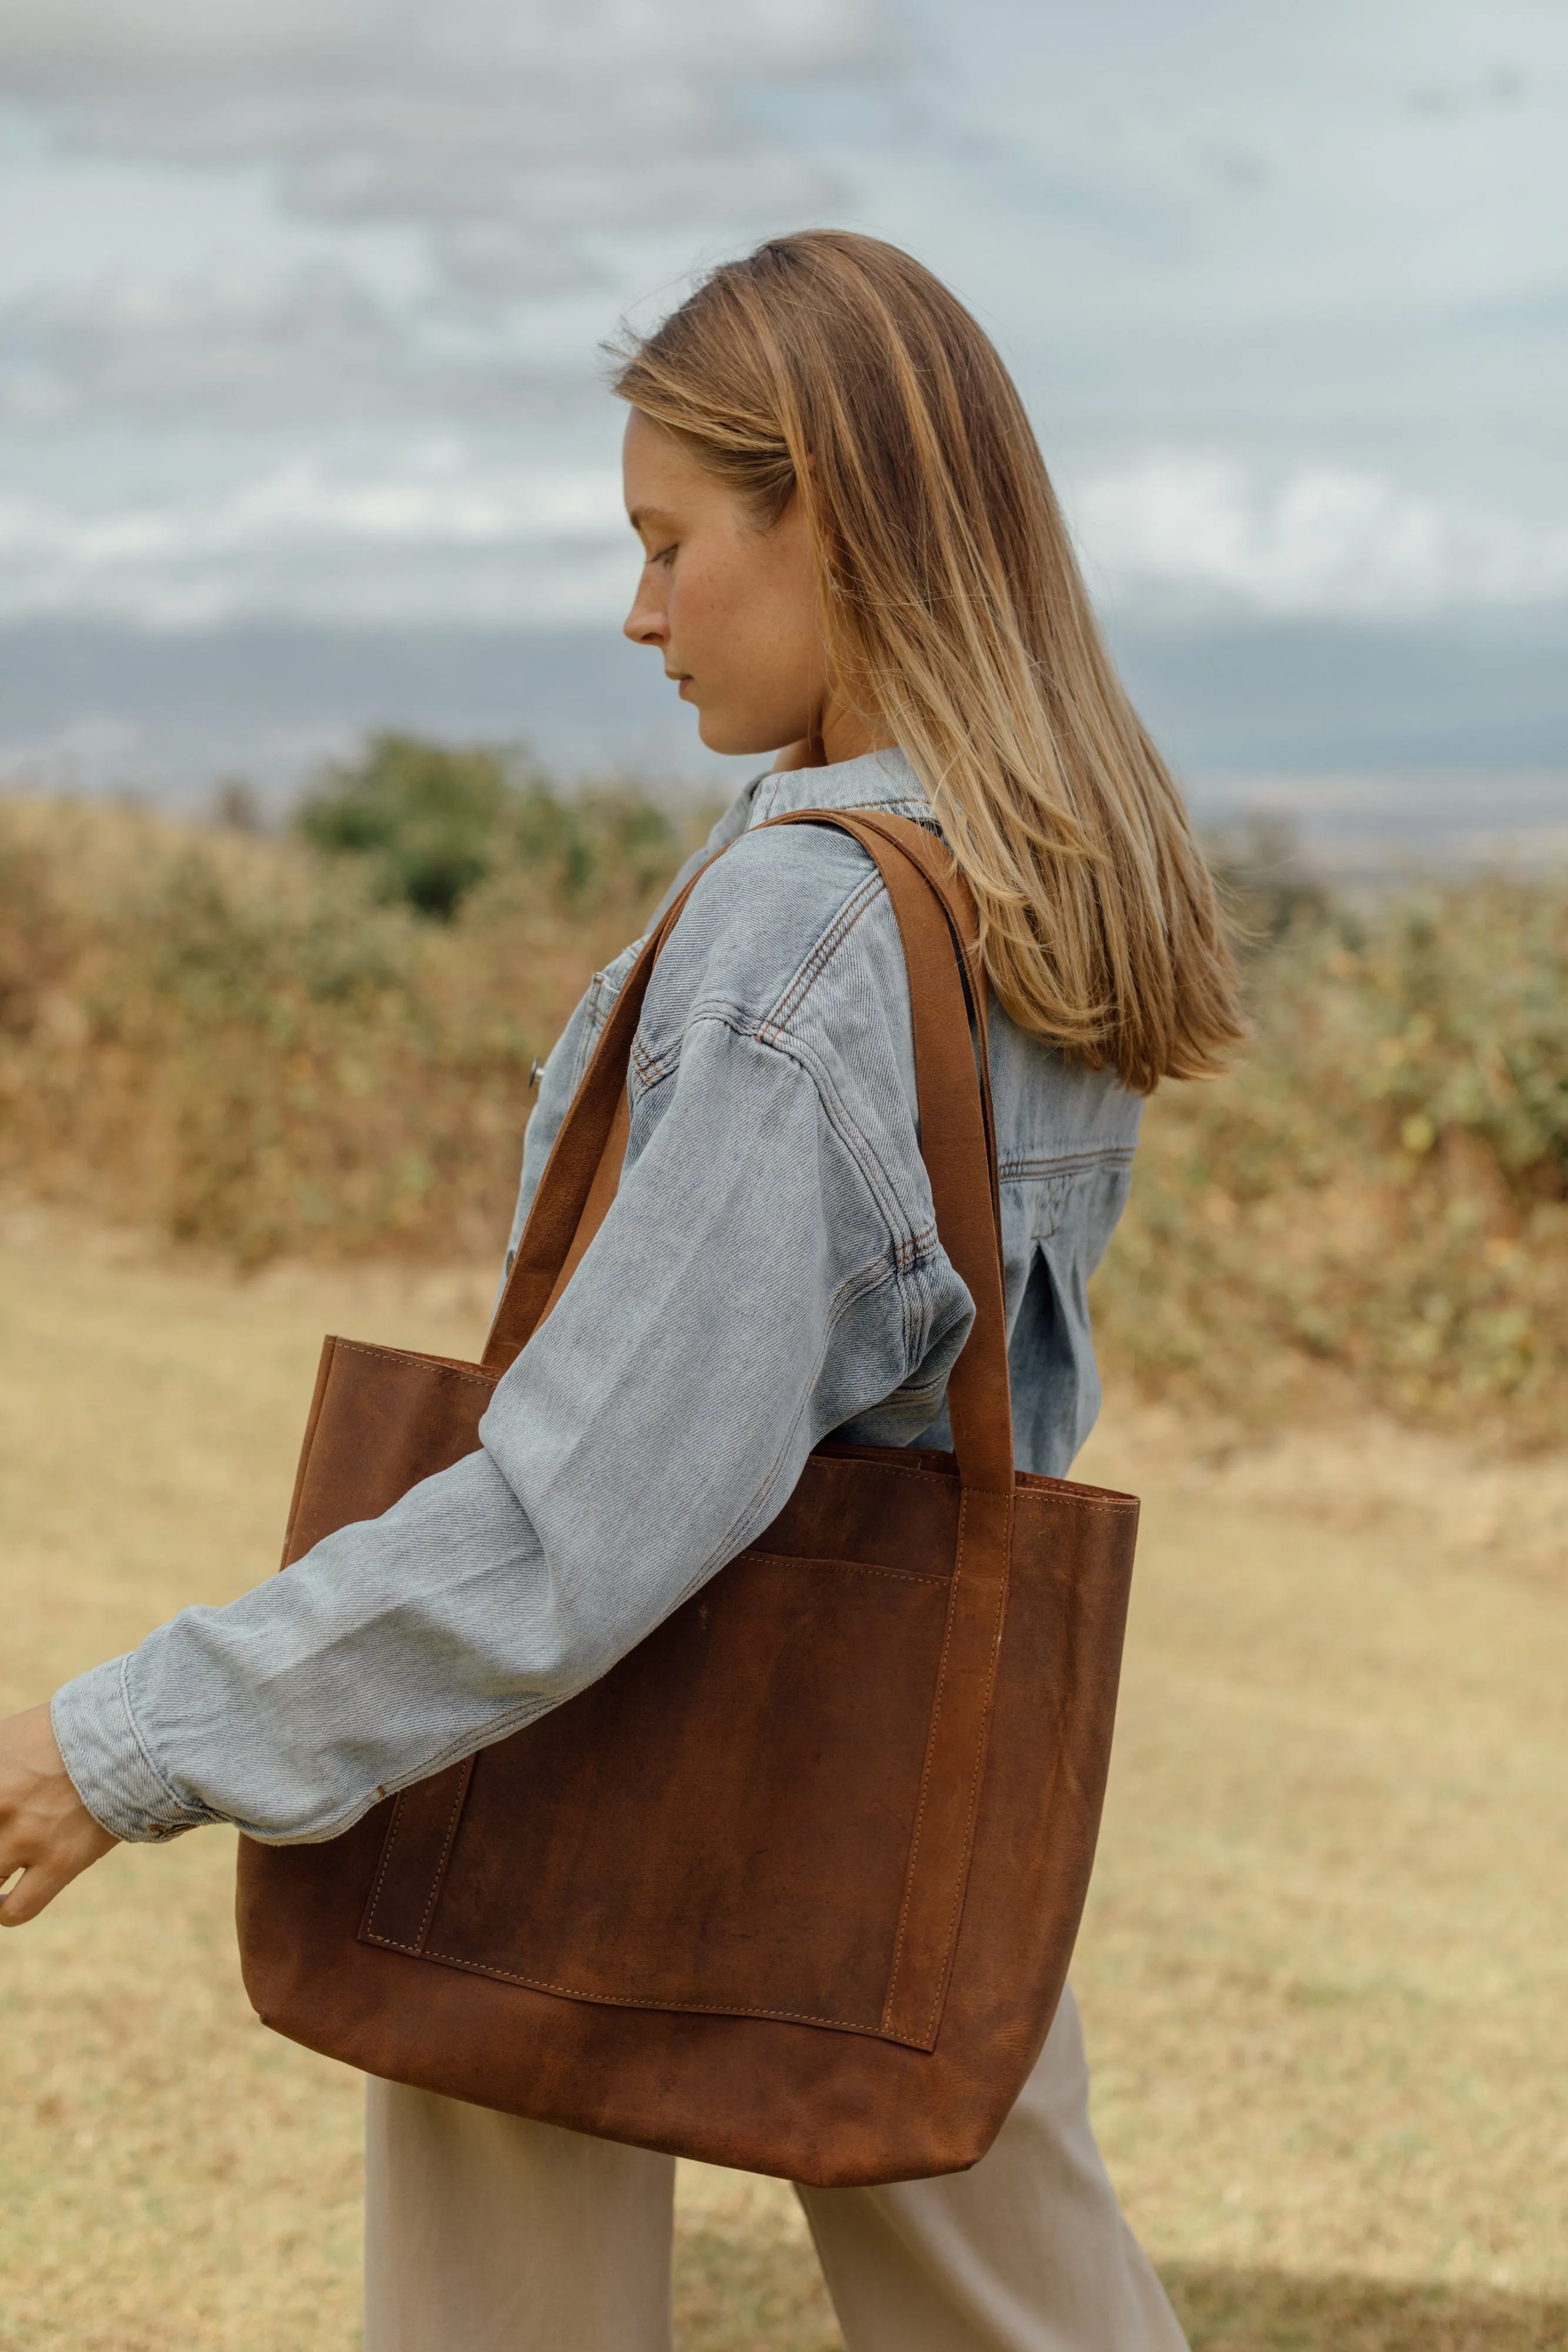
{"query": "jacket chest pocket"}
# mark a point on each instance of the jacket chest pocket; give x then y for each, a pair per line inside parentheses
(599, 999)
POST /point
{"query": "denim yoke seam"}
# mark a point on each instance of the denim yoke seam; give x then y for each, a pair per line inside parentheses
(1058, 1174)
(911, 1246)
(908, 1249)
(1024, 1166)
(651, 1068)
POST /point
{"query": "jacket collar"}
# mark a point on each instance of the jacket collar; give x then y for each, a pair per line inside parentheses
(881, 780)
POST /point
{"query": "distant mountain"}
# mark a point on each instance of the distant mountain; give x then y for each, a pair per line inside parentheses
(1371, 735)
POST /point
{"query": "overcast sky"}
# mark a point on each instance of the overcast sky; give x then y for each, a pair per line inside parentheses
(299, 298)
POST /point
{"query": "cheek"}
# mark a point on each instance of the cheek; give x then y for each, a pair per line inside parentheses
(742, 622)
(716, 618)
(694, 595)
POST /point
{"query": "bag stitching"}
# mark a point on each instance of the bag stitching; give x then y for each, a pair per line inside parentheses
(631, 2000)
(861, 1567)
(792, 1559)
(974, 1779)
(407, 1356)
(439, 1873)
(392, 1829)
(946, 1477)
(905, 1905)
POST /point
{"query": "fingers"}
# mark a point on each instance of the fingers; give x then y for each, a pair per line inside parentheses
(47, 1834)
(27, 1895)
(44, 1871)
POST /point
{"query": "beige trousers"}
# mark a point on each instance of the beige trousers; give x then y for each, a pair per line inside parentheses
(483, 2234)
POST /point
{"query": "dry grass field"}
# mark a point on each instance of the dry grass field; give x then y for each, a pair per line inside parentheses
(1324, 1971)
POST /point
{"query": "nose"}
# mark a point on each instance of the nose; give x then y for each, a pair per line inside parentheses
(647, 623)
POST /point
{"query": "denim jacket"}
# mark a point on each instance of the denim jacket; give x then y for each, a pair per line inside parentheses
(768, 1274)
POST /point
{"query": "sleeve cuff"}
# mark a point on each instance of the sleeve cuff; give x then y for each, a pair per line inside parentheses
(109, 1767)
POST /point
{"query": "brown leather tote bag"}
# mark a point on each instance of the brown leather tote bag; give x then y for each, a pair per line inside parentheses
(794, 1886)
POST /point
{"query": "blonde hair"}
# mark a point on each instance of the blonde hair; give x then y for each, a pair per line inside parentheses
(955, 619)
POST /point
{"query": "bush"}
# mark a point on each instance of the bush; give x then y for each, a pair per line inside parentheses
(431, 824)
(235, 1041)
(1381, 1185)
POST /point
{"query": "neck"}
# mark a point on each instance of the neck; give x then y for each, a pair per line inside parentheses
(840, 733)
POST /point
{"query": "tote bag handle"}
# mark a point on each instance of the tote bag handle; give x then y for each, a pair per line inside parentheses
(946, 991)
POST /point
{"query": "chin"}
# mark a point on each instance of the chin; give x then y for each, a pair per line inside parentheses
(737, 740)
(717, 737)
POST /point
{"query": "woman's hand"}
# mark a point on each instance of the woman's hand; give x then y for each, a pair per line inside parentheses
(46, 1830)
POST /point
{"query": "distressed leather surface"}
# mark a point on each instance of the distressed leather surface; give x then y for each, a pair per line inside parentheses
(795, 1885)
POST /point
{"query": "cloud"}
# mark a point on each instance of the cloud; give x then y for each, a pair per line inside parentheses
(357, 234)
(512, 132)
(441, 530)
(514, 149)
(246, 349)
(459, 529)
(1316, 540)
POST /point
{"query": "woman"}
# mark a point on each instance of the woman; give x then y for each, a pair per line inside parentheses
(852, 559)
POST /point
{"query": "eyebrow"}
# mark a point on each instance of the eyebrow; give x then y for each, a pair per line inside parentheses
(641, 518)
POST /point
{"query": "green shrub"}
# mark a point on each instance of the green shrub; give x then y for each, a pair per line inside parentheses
(431, 824)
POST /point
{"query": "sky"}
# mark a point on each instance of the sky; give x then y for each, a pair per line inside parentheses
(300, 303)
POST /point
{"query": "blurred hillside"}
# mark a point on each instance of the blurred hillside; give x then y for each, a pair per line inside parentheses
(1377, 1196)
(321, 1043)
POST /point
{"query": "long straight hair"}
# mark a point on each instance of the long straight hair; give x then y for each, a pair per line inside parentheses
(835, 368)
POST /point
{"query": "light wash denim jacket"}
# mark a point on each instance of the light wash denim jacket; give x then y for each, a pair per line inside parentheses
(769, 1273)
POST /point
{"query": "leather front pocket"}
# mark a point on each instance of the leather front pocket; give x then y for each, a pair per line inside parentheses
(723, 1823)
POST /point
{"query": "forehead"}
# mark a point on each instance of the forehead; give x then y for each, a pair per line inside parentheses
(660, 475)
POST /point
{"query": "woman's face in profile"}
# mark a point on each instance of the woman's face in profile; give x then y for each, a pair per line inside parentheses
(732, 607)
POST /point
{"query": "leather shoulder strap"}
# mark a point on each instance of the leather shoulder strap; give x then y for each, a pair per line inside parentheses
(952, 1078)
(937, 863)
(540, 1268)
(936, 921)
(947, 989)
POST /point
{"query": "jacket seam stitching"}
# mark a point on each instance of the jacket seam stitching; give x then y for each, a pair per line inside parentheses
(910, 1242)
(190, 1815)
(798, 986)
(1068, 1163)
(911, 1247)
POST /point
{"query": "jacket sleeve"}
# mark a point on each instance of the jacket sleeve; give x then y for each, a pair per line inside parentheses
(746, 1296)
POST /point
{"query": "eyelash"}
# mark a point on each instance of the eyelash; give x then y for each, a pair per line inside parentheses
(665, 554)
